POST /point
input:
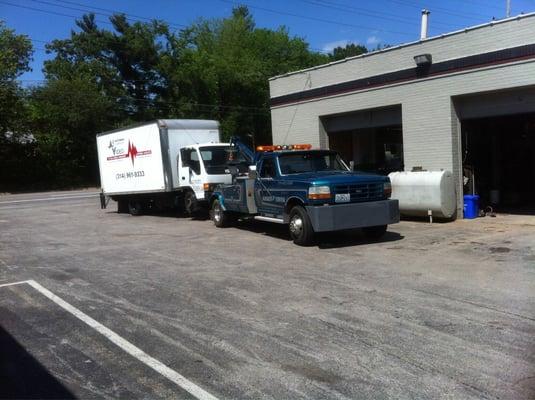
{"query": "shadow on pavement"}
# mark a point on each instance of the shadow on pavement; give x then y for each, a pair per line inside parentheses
(23, 377)
(326, 240)
(333, 240)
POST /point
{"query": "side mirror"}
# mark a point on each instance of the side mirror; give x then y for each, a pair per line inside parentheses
(252, 172)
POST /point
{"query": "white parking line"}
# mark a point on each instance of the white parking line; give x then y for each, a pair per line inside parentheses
(49, 199)
(124, 344)
(14, 283)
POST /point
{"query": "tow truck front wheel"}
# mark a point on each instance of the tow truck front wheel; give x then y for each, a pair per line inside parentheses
(300, 227)
(219, 216)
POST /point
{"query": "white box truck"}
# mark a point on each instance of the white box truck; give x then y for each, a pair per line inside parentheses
(161, 164)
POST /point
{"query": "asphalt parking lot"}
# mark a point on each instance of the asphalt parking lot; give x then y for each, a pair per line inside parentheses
(115, 306)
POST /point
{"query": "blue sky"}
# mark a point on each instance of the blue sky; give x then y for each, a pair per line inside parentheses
(323, 23)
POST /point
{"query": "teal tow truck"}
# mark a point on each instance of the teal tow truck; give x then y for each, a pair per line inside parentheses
(309, 190)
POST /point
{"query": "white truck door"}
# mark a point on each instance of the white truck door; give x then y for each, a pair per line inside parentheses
(183, 169)
(190, 170)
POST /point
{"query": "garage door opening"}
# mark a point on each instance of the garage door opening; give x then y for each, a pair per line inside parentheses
(499, 161)
(370, 140)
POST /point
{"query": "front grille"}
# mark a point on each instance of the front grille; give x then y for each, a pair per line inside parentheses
(361, 191)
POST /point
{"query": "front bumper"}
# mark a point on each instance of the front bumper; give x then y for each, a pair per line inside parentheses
(353, 215)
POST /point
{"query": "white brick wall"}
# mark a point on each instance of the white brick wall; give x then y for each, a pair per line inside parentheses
(429, 121)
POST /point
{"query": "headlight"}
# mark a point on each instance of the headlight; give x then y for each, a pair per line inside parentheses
(387, 189)
(319, 192)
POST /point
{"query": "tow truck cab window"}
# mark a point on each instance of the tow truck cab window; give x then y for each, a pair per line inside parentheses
(190, 158)
(268, 169)
(317, 161)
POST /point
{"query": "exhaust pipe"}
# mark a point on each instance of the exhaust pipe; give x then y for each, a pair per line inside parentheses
(425, 18)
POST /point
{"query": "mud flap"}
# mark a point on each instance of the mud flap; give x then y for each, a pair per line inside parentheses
(103, 201)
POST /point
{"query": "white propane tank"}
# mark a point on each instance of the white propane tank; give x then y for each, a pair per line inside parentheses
(421, 191)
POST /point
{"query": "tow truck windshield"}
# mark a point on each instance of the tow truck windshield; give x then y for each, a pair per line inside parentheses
(214, 159)
(317, 161)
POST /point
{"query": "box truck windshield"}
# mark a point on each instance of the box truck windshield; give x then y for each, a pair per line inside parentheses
(214, 159)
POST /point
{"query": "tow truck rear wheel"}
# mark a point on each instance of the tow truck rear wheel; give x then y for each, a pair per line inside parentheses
(221, 218)
(374, 232)
(300, 227)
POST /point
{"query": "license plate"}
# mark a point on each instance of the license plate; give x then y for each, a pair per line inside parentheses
(342, 198)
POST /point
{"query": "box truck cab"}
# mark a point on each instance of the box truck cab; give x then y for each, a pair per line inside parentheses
(200, 168)
(162, 164)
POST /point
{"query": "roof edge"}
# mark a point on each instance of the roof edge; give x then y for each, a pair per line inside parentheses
(408, 44)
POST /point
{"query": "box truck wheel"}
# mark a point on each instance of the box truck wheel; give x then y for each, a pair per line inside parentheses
(135, 207)
(191, 205)
(374, 232)
(300, 226)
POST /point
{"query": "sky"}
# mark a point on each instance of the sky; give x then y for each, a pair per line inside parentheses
(324, 24)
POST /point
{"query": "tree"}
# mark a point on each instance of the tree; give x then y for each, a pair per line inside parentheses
(15, 56)
(103, 78)
(350, 50)
(65, 116)
(98, 80)
(220, 69)
(123, 63)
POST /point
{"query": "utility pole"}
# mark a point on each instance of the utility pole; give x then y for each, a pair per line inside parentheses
(508, 9)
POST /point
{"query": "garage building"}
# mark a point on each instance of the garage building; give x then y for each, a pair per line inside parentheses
(462, 102)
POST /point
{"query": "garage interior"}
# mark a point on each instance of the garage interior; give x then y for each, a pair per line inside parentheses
(369, 140)
(498, 150)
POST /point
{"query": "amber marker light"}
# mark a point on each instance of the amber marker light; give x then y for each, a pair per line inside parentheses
(319, 192)
(276, 147)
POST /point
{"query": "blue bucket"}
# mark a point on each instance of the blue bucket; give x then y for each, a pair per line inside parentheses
(471, 206)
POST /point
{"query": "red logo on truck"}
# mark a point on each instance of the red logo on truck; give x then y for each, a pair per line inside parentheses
(132, 152)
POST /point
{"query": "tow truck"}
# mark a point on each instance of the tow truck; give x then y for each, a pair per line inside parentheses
(309, 190)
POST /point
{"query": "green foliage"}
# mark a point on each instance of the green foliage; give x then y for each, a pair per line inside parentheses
(15, 56)
(65, 115)
(219, 69)
(350, 50)
(15, 53)
(123, 63)
(102, 78)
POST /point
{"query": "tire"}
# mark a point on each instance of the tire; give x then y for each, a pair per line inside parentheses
(220, 217)
(135, 207)
(300, 227)
(122, 206)
(191, 206)
(374, 232)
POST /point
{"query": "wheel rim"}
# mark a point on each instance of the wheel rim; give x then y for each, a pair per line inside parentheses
(296, 225)
(217, 212)
(188, 202)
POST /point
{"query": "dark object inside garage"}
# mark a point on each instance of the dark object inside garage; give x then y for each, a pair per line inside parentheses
(369, 140)
(499, 161)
